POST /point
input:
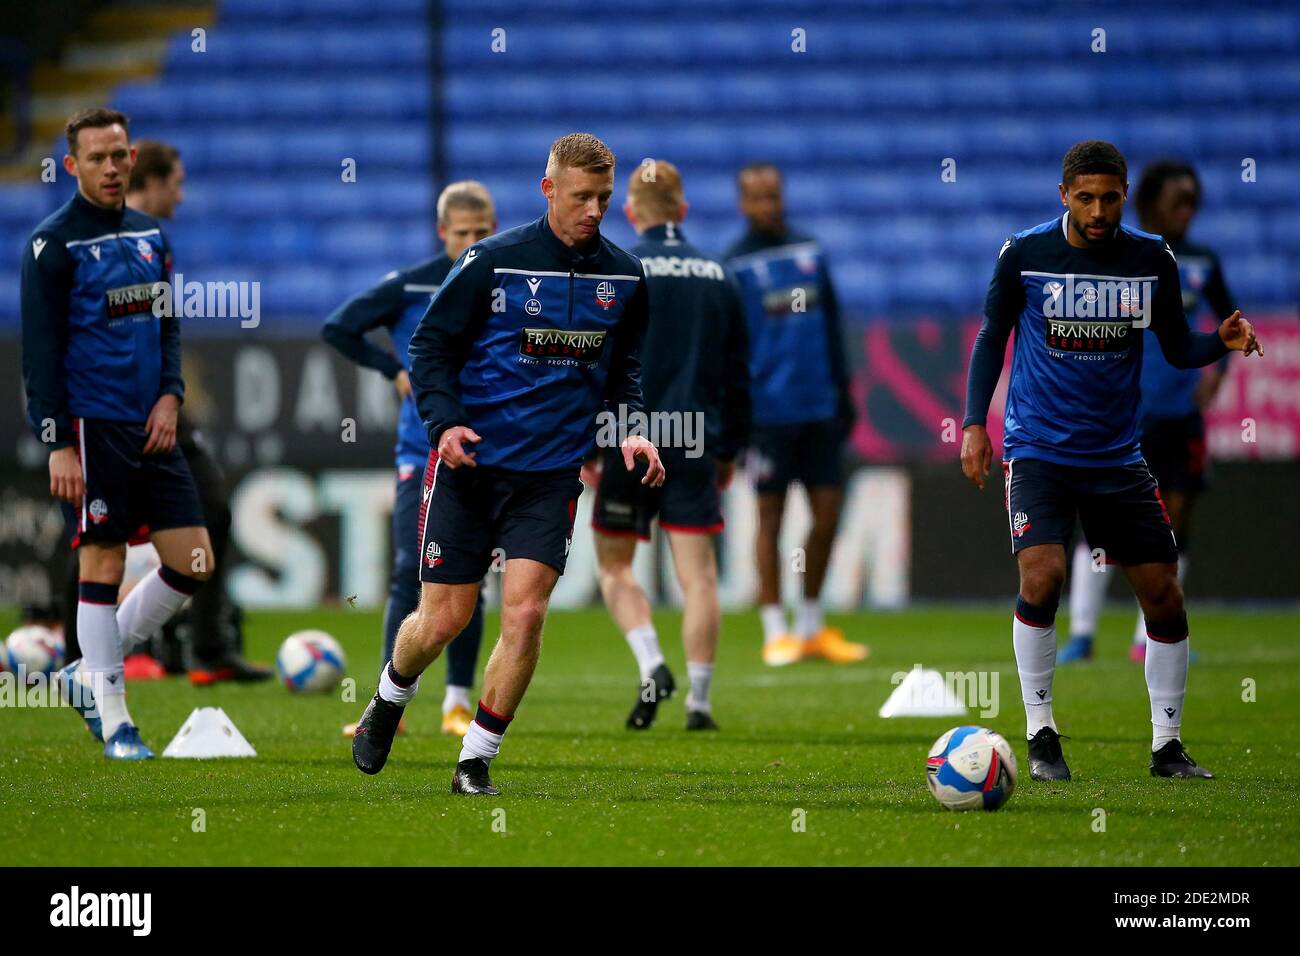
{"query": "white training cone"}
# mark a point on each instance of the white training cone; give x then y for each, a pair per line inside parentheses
(923, 693)
(207, 733)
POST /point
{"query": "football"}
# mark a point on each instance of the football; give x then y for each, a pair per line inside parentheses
(310, 662)
(33, 648)
(971, 768)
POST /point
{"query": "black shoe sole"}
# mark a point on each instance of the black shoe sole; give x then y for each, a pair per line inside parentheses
(1177, 775)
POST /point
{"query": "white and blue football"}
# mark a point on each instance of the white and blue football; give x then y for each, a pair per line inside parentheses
(971, 768)
(32, 649)
(310, 662)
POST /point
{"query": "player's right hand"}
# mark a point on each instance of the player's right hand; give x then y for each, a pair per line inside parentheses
(450, 449)
(65, 476)
(402, 382)
(976, 454)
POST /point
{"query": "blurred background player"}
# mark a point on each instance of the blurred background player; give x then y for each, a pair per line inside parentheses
(205, 641)
(1173, 399)
(1071, 442)
(534, 332)
(465, 216)
(802, 410)
(103, 381)
(694, 362)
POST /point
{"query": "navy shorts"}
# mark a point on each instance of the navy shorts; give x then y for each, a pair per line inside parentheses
(129, 495)
(470, 516)
(1119, 507)
(688, 500)
(811, 454)
(1175, 450)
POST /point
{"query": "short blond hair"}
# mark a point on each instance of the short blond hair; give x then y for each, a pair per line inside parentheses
(655, 191)
(466, 194)
(579, 151)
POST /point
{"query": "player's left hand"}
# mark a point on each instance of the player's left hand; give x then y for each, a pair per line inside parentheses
(160, 428)
(1239, 335)
(636, 446)
(590, 474)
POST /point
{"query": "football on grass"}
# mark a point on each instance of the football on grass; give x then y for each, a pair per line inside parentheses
(310, 662)
(971, 768)
(34, 649)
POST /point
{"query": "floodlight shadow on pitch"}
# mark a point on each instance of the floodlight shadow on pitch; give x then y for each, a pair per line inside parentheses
(923, 693)
(206, 734)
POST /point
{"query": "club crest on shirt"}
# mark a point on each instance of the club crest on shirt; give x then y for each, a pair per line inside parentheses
(145, 250)
(605, 294)
(1099, 297)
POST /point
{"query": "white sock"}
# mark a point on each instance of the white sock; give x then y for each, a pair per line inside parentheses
(1087, 591)
(645, 646)
(1140, 631)
(146, 609)
(394, 692)
(1166, 673)
(455, 697)
(1036, 662)
(480, 742)
(773, 618)
(701, 676)
(810, 617)
(101, 662)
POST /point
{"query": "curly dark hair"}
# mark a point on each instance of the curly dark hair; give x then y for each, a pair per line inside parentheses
(1093, 156)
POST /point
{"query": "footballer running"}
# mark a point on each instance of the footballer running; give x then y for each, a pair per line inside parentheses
(533, 333)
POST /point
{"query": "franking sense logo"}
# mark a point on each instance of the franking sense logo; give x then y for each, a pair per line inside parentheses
(1097, 313)
(130, 300)
(559, 346)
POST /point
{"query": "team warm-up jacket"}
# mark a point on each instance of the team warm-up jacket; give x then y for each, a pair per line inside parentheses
(695, 357)
(92, 346)
(1168, 392)
(397, 304)
(1074, 395)
(527, 342)
(796, 354)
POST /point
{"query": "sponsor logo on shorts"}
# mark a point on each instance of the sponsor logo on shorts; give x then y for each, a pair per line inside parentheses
(562, 346)
(428, 492)
(1020, 524)
(98, 510)
(433, 554)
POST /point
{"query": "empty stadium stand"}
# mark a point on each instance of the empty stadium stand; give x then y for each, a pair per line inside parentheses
(287, 90)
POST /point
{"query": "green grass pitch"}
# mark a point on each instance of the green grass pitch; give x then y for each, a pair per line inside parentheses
(579, 789)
